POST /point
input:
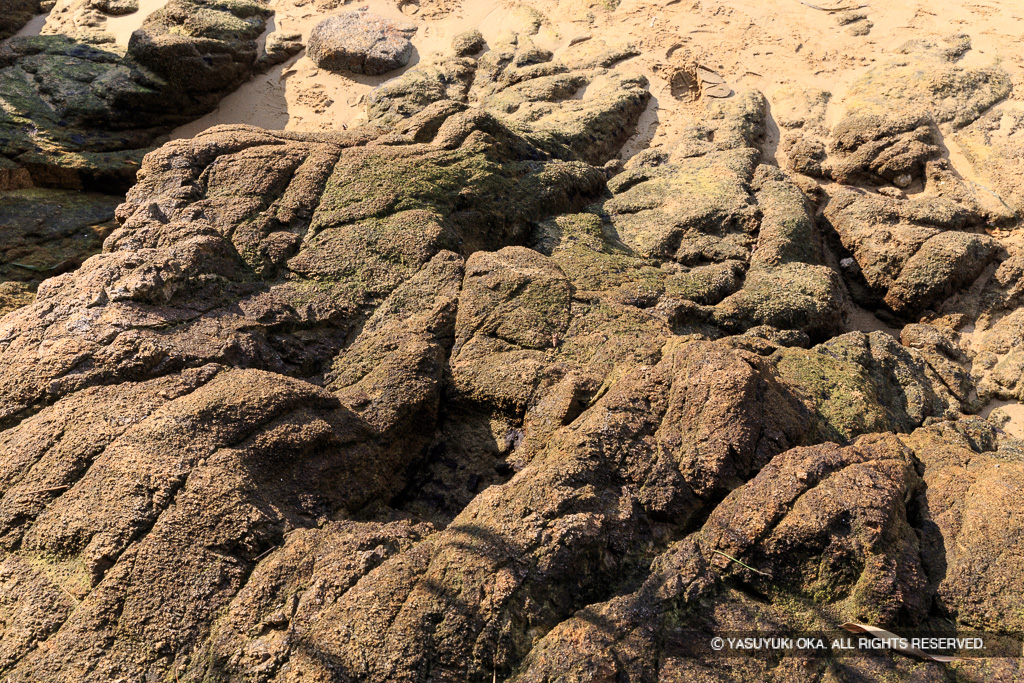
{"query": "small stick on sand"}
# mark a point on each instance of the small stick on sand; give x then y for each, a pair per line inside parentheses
(832, 9)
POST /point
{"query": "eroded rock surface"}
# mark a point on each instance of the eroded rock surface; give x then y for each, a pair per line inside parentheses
(16, 14)
(458, 394)
(361, 43)
(78, 114)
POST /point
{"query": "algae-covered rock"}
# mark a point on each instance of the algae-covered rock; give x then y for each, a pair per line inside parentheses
(77, 115)
(16, 14)
(531, 92)
(463, 394)
(970, 522)
(468, 43)
(47, 233)
(220, 282)
(862, 383)
(911, 255)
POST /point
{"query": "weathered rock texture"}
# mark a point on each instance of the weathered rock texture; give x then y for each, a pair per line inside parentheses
(75, 113)
(459, 396)
(361, 43)
(46, 233)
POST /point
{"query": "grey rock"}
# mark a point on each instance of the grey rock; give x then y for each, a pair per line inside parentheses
(361, 43)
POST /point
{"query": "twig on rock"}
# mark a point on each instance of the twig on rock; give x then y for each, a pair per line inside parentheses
(50, 490)
(758, 571)
(69, 594)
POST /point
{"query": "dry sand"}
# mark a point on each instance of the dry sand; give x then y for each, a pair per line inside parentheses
(33, 27)
(299, 96)
(770, 45)
(762, 44)
(123, 27)
(1010, 414)
(864, 320)
(56, 22)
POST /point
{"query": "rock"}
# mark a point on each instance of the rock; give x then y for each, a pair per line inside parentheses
(912, 254)
(291, 294)
(468, 43)
(863, 383)
(971, 477)
(280, 47)
(361, 43)
(535, 547)
(16, 14)
(798, 106)
(288, 594)
(860, 28)
(993, 145)
(718, 91)
(83, 116)
(889, 129)
(883, 563)
(115, 7)
(998, 358)
(851, 17)
(461, 392)
(709, 77)
(48, 233)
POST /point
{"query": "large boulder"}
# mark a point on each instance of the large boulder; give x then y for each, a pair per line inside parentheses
(75, 115)
(909, 255)
(820, 536)
(328, 282)
(361, 43)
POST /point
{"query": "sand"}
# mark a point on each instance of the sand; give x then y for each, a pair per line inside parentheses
(770, 45)
(57, 22)
(762, 44)
(863, 320)
(33, 27)
(299, 96)
(1010, 414)
(123, 27)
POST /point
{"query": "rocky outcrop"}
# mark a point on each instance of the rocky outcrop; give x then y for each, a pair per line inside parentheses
(894, 112)
(821, 535)
(47, 233)
(909, 255)
(460, 393)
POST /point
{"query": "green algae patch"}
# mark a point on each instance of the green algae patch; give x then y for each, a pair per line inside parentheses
(842, 394)
(48, 232)
(70, 574)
